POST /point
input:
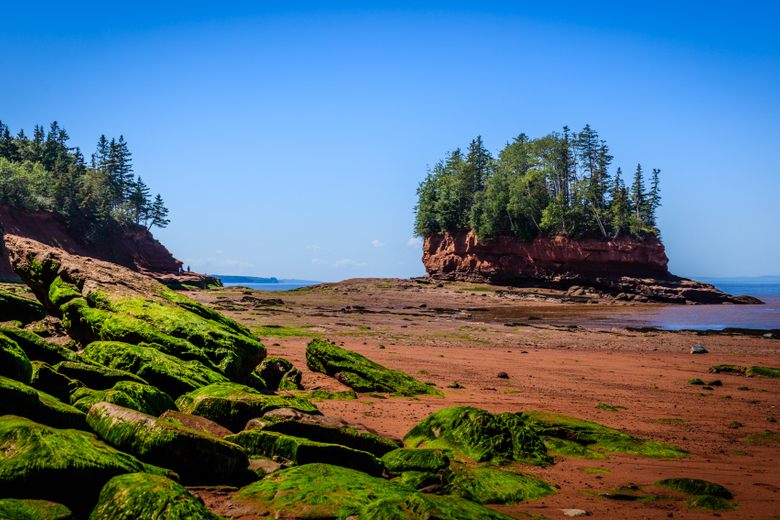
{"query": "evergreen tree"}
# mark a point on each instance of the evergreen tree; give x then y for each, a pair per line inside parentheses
(158, 214)
(654, 197)
(619, 208)
(139, 201)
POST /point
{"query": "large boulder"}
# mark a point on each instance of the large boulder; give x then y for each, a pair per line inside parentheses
(297, 450)
(18, 308)
(136, 396)
(137, 496)
(99, 300)
(168, 373)
(37, 348)
(46, 379)
(360, 373)
(320, 428)
(494, 486)
(481, 436)
(419, 467)
(232, 405)
(29, 509)
(19, 399)
(65, 466)
(95, 376)
(279, 374)
(320, 491)
(199, 458)
(13, 361)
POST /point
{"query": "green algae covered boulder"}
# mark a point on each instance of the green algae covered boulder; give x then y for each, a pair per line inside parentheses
(46, 379)
(319, 491)
(18, 308)
(279, 374)
(13, 361)
(199, 458)
(29, 509)
(232, 405)
(38, 348)
(171, 375)
(329, 430)
(139, 496)
(66, 466)
(574, 437)
(95, 376)
(494, 486)
(300, 451)
(703, 493)
(136, 396)
(61, 292)
(418, 468)
(481, 436)
(360, 373)
(19, 399)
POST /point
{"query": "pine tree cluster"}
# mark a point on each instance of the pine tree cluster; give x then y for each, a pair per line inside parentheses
(559, 184)
(45, 173)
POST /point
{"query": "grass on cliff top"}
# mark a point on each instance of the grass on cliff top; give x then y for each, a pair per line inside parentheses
(574, 437)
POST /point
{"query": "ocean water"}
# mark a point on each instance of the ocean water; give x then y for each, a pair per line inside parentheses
(270, 286)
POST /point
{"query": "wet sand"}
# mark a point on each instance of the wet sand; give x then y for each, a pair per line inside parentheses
(447, 332)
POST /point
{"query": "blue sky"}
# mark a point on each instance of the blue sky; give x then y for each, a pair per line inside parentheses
(288, 138)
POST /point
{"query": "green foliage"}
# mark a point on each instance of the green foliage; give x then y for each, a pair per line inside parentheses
(136, 496)
(136, 396)
(360, 373)
(481, 436)
(557, 184)
(13, 361)
(493, 486)
(232, 405)
(19, 399)
(578, 438)
(15, 509)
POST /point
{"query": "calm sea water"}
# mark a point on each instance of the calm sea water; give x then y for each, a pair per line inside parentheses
(704, 317)
(270, 286)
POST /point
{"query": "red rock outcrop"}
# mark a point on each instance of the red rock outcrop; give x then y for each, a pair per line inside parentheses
(629, 266)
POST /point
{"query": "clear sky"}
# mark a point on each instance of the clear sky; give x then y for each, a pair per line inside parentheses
(288, 138)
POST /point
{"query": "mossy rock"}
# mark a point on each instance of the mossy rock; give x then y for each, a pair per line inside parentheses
(19, 399)
(37, 348)
(481, 436)
(171, 375)
(13, 361)
(360, 373)
(61, 292)
(199, 458)
(46, 379)
(563, 434)
(65, 466)
(137, 496)
(232, 405)
(763, 372)
(323, 491)
(710, 503)
(29, 509)
(301, 451)
(728, 369)
(95, 376)
(493, 486)
(136, 396)
(279, 374)
(324, 429)
(18, 308)
(703, 493)
(421, 459)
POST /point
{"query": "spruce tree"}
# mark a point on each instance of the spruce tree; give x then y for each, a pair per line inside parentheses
(654, 197)
(158, 215)
(139, 201)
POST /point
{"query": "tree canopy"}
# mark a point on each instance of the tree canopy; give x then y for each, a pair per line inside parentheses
(559, 184)
(45, 173)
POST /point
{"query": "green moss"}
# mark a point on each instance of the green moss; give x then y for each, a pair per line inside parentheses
(171, 375)
(279, 374)
(317, 491)
(728, 369)
(567, 448)
(693, 486)
(38, 348)
(710, 503)
(763, 372)
(13, 360)
(325, 395)
(66, 466)
(767, 438)
(360, 373)
(15, 509)
(409, 459)
(596, 471)
(19, 399)
(61, 292)
(609, 407)
(595, 437)
(13, 307)
(298, 450)
(232, 405)
(46, 379)
(95, 376)
(492, 486)
(136, 496)
(136, 396)
(696, 381)
(198, 457)
(480, 436)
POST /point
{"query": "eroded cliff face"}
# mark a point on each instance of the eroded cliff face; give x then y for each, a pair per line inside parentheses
(622, 266)
(136, 249)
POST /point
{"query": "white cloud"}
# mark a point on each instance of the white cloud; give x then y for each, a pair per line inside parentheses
(414, 242)
(348, 262)
(377, 243)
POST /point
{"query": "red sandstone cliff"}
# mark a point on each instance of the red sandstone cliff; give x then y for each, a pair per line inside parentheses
(615, 266)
